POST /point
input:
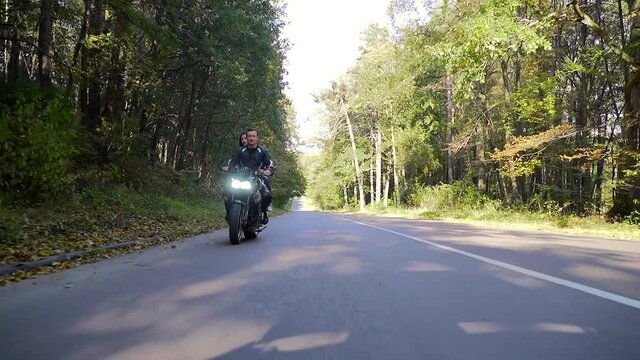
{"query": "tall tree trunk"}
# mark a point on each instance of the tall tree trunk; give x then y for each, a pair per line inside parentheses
(114, 97)
(203, 154)
(96, 23)
(14, 68)
(163, 151)
(355, 153)
(355, 188)
(450, 119)
(396, 185)
(480, 143)
(628, 195)
(345, 195)
(45, 37)
(79, 51)
(186, 129)
(372, 191)
(5, 42)
(386, 181)
(378, 164)
(623, 30)
(582, 179)
(480, 158)
(509, 130)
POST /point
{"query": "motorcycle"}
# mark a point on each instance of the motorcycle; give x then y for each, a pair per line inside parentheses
(245, 210)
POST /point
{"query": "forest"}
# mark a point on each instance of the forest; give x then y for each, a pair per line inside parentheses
(529, 105)
(174, 82)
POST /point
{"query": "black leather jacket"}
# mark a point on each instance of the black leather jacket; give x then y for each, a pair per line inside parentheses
(257, 158)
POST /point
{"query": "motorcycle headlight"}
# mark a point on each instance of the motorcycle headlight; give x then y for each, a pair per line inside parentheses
(237, 184)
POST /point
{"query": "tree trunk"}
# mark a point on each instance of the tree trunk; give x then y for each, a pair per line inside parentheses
(582, 181)
(45, 37)
(355, 188)
(14, 70)
(96, 22)
(5, 42)
(626, 197)
(371, 182)
(81, 51)
(396, 186)
(386, 189)
(623, 43)
(355, 154)
(203, 154)
(515, 194)
(450, 119)
(378, 165)
(480, 144)
(186, 129)
(114, 97)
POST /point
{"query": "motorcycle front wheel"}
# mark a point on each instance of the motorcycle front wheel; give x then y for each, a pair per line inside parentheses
(235, 223)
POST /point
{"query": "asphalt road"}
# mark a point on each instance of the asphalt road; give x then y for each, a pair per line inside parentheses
(321, 286)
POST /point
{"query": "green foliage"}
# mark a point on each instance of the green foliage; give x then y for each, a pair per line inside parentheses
(36, 133)
(535, 101)
(288, 180)
(457, 196)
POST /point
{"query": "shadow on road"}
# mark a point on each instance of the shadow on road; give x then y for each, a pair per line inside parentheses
(316, 287)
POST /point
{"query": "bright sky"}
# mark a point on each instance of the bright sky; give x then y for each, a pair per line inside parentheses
(324, 37)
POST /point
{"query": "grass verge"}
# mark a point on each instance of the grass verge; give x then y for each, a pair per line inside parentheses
(103, 216)
(512, 219)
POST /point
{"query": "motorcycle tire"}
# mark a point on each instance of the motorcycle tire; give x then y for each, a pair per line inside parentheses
(235, 223)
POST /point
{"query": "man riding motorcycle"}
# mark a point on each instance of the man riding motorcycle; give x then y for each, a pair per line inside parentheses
(257, 158)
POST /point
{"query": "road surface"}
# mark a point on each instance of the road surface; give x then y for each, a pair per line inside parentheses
(325, 286)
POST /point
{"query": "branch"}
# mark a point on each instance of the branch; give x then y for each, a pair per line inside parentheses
(589, 22)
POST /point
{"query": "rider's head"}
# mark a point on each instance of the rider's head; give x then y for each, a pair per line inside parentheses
(242, 141)
(252, 138)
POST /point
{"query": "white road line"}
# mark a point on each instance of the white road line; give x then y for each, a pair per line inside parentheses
(556, 280)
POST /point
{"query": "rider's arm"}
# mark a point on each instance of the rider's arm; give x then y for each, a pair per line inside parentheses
(266, 163)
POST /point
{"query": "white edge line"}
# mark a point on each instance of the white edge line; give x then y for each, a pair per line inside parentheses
(570, 284)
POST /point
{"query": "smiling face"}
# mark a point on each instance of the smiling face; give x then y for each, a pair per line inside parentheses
(252, 138)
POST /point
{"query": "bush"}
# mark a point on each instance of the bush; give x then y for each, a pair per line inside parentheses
(36, 135)
(457, 196)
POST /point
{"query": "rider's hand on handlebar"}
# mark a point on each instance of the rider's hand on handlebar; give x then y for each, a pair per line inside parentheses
(266, 172)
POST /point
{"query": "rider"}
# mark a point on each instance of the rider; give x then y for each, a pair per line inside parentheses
(257, 158)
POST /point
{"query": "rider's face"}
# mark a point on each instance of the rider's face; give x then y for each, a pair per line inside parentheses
(243, 139)
(252, 138)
